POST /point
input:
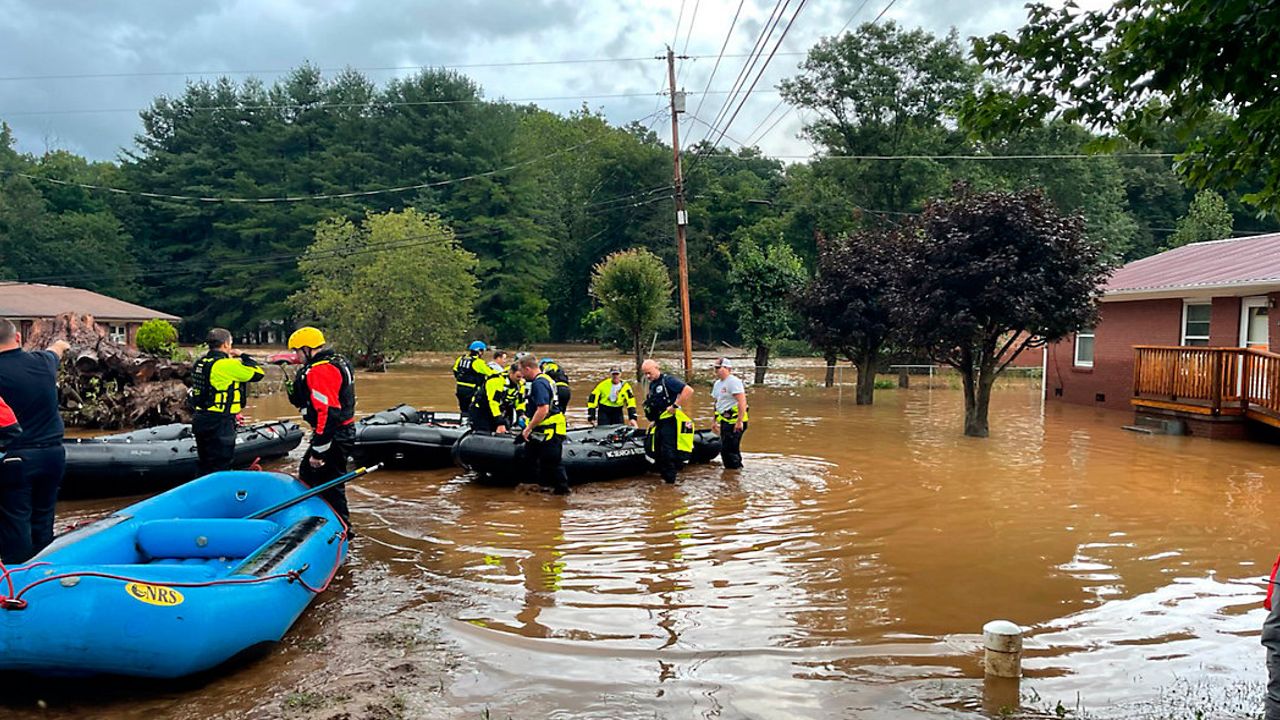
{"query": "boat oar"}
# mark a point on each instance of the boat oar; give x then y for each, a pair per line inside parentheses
(313, 492)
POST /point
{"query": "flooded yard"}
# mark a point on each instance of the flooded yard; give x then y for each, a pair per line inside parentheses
(846, 571)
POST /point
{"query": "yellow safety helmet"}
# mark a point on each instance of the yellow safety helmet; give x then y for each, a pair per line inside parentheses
(306, 337)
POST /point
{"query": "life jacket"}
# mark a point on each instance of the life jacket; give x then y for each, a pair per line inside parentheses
(600, 396)
(554, 423)
(559, 376)
(300, 394)
(465, 374)
(731, 415)
(204, 396)
(684, 433)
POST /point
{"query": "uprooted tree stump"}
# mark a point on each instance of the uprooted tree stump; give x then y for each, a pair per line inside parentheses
(106, 385)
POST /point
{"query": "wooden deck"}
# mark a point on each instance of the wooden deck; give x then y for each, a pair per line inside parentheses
(1217, 382)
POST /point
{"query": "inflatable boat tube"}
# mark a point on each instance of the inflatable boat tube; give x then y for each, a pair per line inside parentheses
(590, 454)
(160, 457)
(408, 439)
(172, 586)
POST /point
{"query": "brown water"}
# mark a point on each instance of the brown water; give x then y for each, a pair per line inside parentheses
(845, 572)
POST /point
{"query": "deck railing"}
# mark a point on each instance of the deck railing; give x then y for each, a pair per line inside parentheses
(1209, 380)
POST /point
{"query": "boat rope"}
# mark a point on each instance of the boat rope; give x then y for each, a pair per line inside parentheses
(15, 601)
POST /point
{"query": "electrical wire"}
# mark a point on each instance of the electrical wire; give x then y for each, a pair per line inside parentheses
(757, 49)
(720, 56)
(300, 198)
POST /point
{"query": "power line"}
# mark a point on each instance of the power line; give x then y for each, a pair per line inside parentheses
(688, 36)
(301, 198)
(720, 56)
(463, 66)
(752, 137)
(757, 49)
(349, 106)
(764, 67)
(1058, 156)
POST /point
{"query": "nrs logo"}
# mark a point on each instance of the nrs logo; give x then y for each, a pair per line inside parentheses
(154, 594)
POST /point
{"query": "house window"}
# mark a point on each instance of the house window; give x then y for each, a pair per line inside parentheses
(1084, 348)
(1195, 323)
(119, 334)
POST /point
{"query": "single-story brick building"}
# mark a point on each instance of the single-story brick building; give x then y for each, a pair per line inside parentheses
(24, 303)
(1156, 312)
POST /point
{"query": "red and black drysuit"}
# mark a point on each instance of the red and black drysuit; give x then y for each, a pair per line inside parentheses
(324, 389)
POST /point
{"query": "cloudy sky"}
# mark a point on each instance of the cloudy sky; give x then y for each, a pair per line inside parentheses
(139, 49)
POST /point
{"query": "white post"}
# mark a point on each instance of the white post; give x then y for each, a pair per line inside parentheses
(1002, 643)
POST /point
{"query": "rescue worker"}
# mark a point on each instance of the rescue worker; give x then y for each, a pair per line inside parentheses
(563, 393)
(217, 396)
(730, 397)
(9, 427)
(325, 390)
(500, 401)
(470, 371)
(670, 435)
(609, 398)
(1271, 641)
(544, 434)
(35, 459)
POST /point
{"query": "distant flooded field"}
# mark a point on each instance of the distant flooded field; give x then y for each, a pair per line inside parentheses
(846, 571)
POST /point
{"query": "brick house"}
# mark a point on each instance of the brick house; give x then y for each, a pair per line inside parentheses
(1189, 332)
(24, 303)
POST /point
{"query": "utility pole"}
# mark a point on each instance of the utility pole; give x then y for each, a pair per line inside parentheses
(682, 218)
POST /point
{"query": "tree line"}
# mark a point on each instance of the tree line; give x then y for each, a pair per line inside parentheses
(532, 201)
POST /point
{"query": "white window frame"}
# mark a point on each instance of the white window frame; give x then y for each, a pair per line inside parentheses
(1092, 334)
(1185, 337)
(119, 338)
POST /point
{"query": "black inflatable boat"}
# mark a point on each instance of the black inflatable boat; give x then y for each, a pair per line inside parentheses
(590, 454)
(406, 438)
(159, 457)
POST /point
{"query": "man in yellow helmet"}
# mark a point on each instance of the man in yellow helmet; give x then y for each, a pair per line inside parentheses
(217, 395)
(325, 390)
(609, 398)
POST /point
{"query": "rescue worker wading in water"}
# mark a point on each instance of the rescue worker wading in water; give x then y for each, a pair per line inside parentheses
(545, 432)
(670, 435)
(609, 398)
(469, 373)
(325, 390)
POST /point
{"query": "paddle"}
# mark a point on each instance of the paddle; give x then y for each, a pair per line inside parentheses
(313, 492)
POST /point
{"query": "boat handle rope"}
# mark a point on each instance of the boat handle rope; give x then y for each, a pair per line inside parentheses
(15, 601)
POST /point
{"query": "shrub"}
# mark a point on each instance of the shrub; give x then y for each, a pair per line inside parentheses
(157, 337)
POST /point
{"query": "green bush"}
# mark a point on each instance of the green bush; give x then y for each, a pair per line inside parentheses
(885, 384)
(157, 337)
(790, 347)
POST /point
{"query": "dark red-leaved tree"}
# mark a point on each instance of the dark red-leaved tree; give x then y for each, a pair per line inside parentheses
(990, 275)
(846, 306)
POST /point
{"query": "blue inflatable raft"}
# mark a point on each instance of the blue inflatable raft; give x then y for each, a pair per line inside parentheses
(173, 585)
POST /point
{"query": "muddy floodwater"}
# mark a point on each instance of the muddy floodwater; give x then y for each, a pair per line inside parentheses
(845, 572)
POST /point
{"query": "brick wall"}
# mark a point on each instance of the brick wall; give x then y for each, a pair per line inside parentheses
(1224, 322)
(1123, 325)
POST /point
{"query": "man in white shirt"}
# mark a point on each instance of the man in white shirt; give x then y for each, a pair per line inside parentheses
(730, 396)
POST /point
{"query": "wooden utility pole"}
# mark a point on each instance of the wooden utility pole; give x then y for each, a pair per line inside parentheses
(677, 107)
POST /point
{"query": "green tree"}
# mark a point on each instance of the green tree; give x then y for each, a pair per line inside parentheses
(987, 275)
(395, 283)
(847, 306)
(1137, 66)
(1206, 219)
(762, 286)
(883, 90)
(634, 291)
(157, 337)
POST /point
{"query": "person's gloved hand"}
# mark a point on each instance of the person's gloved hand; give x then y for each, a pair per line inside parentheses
(248, 360)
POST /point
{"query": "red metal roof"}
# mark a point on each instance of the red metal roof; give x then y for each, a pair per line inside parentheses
(1250, 261)
(31, 300)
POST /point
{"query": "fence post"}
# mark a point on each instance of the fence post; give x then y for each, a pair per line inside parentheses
(904, 378)
(1217, 377)
(1246, 371)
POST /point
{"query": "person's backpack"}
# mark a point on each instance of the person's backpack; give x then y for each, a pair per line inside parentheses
(202, 394)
